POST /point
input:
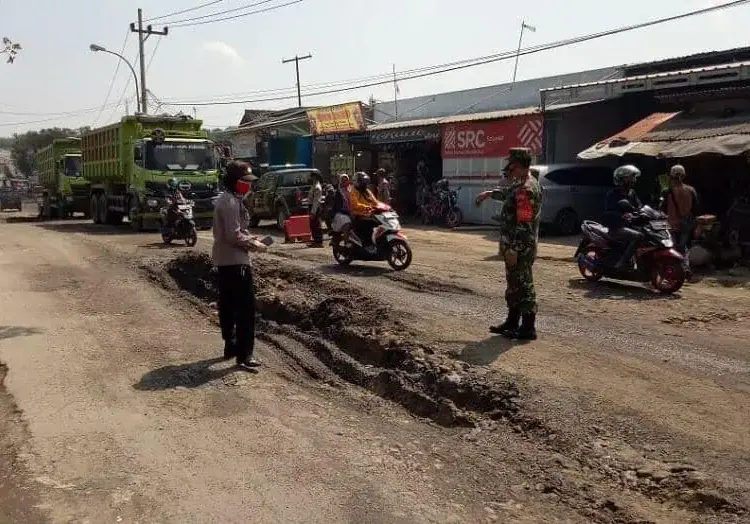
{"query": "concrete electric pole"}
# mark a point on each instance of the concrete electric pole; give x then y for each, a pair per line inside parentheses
(296, 60)
(141, 41)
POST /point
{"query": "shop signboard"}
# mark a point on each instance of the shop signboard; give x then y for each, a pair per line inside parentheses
(492, 138)
(344, 118)
(404, 135)
(244, 145)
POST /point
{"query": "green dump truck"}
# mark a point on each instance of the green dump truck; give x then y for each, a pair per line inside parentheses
(129, 164)
(65, 191)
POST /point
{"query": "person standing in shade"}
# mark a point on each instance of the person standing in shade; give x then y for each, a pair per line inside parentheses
(680, 202)
(519, 235)
(231, 256)
(316, 207)
(383, 186)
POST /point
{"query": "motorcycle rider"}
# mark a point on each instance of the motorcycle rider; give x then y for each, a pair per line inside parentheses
(362, 203)
(618, 217)
(176, 198)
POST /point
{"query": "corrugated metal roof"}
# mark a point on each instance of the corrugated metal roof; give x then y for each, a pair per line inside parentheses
(720, 67)
(454, 119)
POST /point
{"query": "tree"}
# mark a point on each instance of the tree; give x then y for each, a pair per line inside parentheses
(10, 48)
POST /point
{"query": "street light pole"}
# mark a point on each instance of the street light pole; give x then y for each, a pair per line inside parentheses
(531, 28)
(97, 48)
(296, 60)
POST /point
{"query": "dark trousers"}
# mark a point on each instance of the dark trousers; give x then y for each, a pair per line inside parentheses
(237, 308)
(630, 239)
(315, 229)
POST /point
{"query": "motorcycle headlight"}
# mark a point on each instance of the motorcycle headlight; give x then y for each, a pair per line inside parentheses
(668, 242)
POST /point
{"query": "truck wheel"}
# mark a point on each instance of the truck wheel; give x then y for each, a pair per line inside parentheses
(102, 208)
(136, 221)
(94, 209)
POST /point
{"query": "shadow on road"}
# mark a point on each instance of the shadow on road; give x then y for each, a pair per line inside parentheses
(192, 375)
(88, 228)
(485, 352)
(609, 290)
(356, 270)
(7, 332)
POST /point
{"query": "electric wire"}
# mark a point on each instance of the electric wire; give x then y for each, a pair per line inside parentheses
(112, 81)
(256, 12)
(188, 10)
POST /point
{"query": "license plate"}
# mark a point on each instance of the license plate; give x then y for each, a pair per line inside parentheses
(659, 225)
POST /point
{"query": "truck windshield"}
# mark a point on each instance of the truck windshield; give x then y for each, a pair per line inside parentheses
(72, 166)
(179, 156)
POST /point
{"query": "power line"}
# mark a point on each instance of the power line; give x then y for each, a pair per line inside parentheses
(218, 13)
(153, 53)
(122, 95)
(201, 6)
(258, 11)
(112, 82)
(473, 62)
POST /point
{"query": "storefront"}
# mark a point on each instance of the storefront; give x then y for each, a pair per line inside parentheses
(339, 142)
(405, 149)
(475, 150)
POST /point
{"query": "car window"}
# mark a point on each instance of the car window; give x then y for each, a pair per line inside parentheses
(295, 178)
(266, 182)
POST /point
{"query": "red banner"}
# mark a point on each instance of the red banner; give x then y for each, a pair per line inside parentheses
(492, 138)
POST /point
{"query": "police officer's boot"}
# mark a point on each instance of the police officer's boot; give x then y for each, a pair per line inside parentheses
(527, 331)
(510, 325)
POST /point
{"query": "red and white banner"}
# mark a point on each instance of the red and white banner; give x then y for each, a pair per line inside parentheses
(492, 138)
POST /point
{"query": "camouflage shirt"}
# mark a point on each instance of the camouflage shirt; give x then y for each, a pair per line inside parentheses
(521, 213)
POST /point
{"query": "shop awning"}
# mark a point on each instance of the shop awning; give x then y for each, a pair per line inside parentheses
(677, 135)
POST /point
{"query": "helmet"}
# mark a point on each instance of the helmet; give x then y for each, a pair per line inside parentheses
(172, 183)
(623, 172)
(361, 180)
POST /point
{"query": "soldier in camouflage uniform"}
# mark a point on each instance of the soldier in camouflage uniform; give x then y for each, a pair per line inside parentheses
(519, 234)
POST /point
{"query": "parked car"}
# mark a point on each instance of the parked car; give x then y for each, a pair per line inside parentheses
(572, 193)
(10, 199)
(280, 194)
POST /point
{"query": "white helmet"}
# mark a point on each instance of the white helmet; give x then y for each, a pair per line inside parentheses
(623, 172)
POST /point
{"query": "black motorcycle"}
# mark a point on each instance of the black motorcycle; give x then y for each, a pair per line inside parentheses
(182, 226)
(443, 207)
(655, 259)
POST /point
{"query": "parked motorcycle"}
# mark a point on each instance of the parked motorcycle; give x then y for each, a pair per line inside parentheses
(655, 259)
(183, 225)
(387, 243)
(443, 207)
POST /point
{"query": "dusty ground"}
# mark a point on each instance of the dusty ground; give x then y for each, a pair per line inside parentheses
(630, 408)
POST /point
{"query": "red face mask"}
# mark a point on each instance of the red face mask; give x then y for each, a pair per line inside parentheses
(242, 187)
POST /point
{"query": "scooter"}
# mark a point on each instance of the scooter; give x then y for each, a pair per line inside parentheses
(387, 243)
(183, 227)
(655, 260)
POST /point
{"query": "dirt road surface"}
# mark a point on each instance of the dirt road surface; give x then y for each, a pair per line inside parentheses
(630, 408)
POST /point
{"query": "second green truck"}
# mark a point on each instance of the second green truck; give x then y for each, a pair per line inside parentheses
(128, 164)
(65, 190)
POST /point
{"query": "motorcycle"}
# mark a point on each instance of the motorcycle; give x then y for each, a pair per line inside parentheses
(444, 207)
(183, 226)
(387, 243)
(655, 260)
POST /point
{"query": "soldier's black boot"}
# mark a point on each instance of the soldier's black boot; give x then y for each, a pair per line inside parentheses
(527, 331)
(230, 350)
(510, 325)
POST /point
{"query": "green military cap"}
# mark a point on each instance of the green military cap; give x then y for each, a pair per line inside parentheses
(520, 154)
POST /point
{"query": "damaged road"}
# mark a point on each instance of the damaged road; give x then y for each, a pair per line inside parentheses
(618, 415)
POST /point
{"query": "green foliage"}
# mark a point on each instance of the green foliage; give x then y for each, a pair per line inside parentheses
(26, 145)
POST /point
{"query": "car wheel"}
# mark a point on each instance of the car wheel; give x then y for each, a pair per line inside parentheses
(567, 222)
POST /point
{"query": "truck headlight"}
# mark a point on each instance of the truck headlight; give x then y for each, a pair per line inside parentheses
(151, 202)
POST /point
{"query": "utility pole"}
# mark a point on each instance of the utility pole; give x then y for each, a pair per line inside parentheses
(296, 60)
(395, 92)
(141, 41)
(531, 28)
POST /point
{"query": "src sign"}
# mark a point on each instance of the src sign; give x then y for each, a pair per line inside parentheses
(492, 138)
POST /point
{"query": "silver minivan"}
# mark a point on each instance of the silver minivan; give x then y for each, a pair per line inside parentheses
(572, 193)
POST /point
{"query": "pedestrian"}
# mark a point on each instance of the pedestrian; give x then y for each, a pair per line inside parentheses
(232, 245)
(316, 208)
(680, 201)
(383, 192)
(519, 235)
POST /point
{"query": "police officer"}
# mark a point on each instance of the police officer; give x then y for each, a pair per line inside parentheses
(519, 234)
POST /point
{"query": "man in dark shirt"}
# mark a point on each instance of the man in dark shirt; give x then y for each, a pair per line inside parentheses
(616, 218)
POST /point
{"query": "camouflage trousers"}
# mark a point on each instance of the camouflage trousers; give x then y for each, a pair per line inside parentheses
(520, 293)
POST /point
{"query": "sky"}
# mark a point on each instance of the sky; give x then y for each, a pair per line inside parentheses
(58, 81)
